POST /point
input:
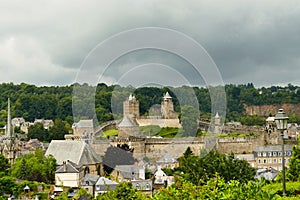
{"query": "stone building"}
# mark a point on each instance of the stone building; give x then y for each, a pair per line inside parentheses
(127, 128)
(131, 107)
(164, 114)
(69, 174)
(78, 152)
(9, 146)
(271, 156)
(167, 107)
(83, 129)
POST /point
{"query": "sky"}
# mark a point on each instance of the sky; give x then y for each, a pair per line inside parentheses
(50, 42)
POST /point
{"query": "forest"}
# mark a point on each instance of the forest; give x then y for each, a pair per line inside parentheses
(104, 103)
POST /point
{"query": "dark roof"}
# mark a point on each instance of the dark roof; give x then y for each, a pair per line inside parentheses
(129, 171)
(68, 167)
(90, 179)
(105, 184)
(126, 122)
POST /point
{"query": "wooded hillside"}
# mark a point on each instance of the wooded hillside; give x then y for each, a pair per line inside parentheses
(30, 101)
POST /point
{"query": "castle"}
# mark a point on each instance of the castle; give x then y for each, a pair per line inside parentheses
(129, 126)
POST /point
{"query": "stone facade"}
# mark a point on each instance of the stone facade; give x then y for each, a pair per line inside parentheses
(131, 107)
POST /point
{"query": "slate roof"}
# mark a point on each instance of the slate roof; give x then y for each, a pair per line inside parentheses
(69, 167)
(273, 148)
(144, 185)
(78, 152)
(126, 122)
(105, 184)
(129, 171)
(90, 179)
(85, 123)
(268, 174)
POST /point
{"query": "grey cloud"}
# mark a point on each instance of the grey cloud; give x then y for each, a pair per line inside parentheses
(246, 40)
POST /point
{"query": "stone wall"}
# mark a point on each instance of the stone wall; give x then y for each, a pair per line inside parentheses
(155, 148)
(159, 122)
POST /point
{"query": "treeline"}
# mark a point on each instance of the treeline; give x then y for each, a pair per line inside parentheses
(104, 103)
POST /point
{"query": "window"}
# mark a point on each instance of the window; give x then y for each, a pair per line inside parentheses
(279, 153)
(137, 186)
(289, 153)
(274, 160)
(265, 161)
(269, 154)
(147, 186)
(259, 154)
(264, 154)
(274, 153)
(270, 160)
(258, 160)
(279, 160)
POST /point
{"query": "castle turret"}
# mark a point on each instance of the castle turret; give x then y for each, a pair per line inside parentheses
(167, 107)
(131, 108)
(127, 128)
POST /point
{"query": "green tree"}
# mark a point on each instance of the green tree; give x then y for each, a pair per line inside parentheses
(293, 173)
(189, 119)
(199, 169)
(37, 131)
(7, 185)
(4, 164)
(123, 191)
(58, 130)
(35, 167)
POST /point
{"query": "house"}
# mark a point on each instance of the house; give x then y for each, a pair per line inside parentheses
(161, 179)
(17, 121)
(168, 161)
(77, 151)
(47, 123)
(88, 183)
(83, 128)
(69, 175)
(266, 173)
(104, 185)
(271, 156)
(145, 186)
(248, 157)
(128, 172)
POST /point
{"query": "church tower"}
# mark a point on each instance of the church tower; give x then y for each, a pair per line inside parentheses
(10, 149)
(9, 128)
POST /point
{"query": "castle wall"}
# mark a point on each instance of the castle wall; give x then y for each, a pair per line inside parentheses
(155, 148)
(159, 122)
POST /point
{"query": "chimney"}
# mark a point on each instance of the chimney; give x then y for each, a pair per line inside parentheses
(64, 166)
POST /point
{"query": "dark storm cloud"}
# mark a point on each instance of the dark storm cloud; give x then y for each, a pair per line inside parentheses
(253, 41)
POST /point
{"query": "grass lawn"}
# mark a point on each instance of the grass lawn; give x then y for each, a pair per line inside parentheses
(111, 132)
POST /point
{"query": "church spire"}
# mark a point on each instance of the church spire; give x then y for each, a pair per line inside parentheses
(9, 130)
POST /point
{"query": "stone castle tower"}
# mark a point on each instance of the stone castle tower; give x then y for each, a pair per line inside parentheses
(167, 107)
(131, 107)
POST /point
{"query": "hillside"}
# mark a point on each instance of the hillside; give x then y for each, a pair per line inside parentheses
(54, 102)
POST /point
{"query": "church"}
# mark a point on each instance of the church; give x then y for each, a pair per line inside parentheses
(9, 146)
